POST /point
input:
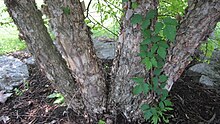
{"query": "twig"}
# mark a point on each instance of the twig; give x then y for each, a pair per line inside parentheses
(87, 9)
(97, 22)
(106, 1)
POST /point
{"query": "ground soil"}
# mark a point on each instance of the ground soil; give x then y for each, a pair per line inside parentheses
(193, 103)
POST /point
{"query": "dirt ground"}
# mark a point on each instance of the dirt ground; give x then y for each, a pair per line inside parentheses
(193, 103)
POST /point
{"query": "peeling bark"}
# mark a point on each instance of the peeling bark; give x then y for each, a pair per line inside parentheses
(127, 65)
(72, 35)
(29, 21)
(198, 23)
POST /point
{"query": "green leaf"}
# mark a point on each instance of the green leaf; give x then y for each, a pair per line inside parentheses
(142, 54)
(155, 80)
(147, 63)
(161, 105)
(161, 52)
(101, 122)
(66, 10)
(59, 100)
(146, 33)
(153, 61)
(158, 27)
(155, 119)
(158, 91)
(143, 47)
(167, 102)
(169, 32)
(137, 89)
(145, 87)
(170, 21)
(134, 5)
(163, 78)
(151, 14)
(168, 108)
(164, 94)
(55, 95)
(145, 107)
(163, 98)
(153, 110)
(138, 80)
(163, 44)
(148, 115)
(155, 83)
(154, 48)
(157, 72)
(156, 38)
(150, 54)
(146, 41)
(136, 18)
(145, 24)
(162, 85)
(160, 62)
(160, 113)
(124, 0)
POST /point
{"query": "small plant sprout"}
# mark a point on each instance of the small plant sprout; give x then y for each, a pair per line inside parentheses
(59, 98)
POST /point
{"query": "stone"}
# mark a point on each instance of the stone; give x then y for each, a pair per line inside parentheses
(206, 80)
(209, 72)
(30, 60)
(205, 69)
(13, 72)
(105, 49)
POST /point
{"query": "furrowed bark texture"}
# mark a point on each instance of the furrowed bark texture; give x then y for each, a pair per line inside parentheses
(74, 69)
(127, 65)
(72, 35)
(29, 21)
(199, 21)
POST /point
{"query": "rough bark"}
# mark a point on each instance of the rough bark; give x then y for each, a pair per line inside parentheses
(127, 65)
(29, 21)
(75, 69)
(200, 19)
(72, 35)
(82, 80)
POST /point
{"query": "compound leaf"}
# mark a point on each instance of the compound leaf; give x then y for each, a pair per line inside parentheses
(161, 52)
(169, 32)
(136, 18)
(151, 14)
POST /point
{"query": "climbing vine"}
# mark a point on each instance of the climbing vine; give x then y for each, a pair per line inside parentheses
(153, 51)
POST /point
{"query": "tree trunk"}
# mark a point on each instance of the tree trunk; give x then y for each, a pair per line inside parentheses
(73, 36)
(198, 23)
(75, 70)
(29, 21)
(127, 65)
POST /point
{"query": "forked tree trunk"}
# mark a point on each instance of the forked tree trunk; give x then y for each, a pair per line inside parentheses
(74, 69)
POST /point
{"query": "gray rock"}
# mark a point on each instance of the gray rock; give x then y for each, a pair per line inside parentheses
(13, 72)
(206, 80)
(104, 49)
(210, 71)
(30, 61)
(205, 69)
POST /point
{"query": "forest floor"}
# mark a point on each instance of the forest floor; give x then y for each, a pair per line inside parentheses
(193, 104)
